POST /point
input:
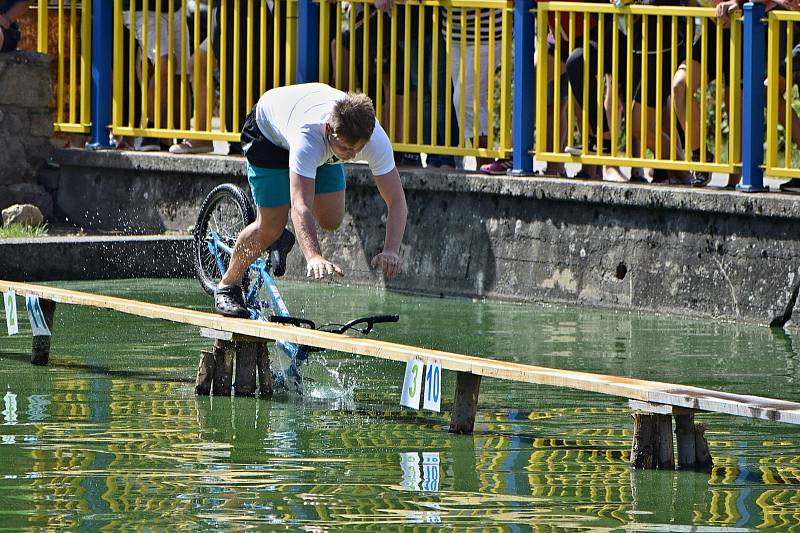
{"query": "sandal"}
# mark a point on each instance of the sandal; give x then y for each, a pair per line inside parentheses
(229, 301)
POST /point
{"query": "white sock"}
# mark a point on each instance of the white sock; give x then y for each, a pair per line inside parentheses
(226, 285)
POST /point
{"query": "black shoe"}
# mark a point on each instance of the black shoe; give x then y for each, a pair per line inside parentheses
(278, 251)
(441, 161)
(700, 178)
(229, 301)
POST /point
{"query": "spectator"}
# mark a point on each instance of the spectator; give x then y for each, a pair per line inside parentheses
(658, 91)
(384, 9)
(235, 107)
(10, 12)
(463, 40)
(681, 78)
(198, 70)
(575, 65)
(783, 47)
(159, 51)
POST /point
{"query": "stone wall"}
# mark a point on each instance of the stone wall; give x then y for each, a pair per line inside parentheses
(707, 253)
(26, 127)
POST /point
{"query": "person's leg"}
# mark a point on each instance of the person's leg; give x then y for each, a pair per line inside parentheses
(329, 190)
(254, 239)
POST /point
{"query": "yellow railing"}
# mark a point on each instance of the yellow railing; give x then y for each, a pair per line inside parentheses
(780, 152)
(73, 62)
(415, 103)
(146, 104)
(655, 133)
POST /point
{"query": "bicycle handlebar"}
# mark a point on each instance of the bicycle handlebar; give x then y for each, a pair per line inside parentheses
(370, 321)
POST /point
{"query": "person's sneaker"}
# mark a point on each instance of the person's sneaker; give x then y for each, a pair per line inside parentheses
(148, 144)
(498, 167)
(577, 149)
(700, 178)
(444, 162)
(402, 159)
(229, 301)
(278, 251)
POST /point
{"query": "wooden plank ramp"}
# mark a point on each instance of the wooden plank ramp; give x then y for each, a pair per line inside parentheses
(648, 392)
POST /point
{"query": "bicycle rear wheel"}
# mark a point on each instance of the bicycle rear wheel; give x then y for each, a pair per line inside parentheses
(226, 210)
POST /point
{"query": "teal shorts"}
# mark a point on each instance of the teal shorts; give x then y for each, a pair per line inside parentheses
(270, 186)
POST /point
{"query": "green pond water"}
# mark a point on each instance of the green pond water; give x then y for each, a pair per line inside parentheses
(110, 435)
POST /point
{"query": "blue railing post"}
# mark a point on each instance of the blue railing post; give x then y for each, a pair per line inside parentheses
(102, 45)
(524, 89)
(753, 74)
(307, 41)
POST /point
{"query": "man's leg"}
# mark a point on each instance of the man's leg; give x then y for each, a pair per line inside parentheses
(253, 240)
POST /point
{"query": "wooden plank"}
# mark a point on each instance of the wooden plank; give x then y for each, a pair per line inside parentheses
(647, 391)
(220, 335)
(659, 409)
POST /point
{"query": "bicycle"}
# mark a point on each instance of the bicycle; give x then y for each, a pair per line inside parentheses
(224, 213)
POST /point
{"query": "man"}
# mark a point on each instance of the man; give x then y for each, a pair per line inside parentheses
(10, 11)
(295, 140)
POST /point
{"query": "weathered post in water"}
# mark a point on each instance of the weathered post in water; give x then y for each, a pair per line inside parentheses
(244, 357)
(40, 350)
(465, 404)
(652, 438)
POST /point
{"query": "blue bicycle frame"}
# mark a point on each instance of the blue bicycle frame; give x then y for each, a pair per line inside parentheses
(297, 354)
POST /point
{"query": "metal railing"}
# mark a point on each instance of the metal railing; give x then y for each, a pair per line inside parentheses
(73, 61)
(446, 93)
(254, 57)
(637, 55)
(251, 45)
(783, 125)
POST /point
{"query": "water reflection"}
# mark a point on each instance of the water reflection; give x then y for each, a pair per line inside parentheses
(112, 436)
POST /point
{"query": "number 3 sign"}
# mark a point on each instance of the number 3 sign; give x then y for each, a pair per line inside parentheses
(412, 385)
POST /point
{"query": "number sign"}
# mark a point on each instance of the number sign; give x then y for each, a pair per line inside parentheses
(10, 303)
(432, 400)
(412, 384)
(36, 316)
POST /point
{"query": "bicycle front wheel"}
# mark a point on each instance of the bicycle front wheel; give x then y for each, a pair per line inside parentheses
(227, 211)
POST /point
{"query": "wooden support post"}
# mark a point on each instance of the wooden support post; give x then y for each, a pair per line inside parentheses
(246, 357)
(684, 435)
(264, 372)
(652, 442)
(693, 449)
(703, 459)
(666, 451)
(223, 368)
(205, 373)
(465, 404)
(40, 350)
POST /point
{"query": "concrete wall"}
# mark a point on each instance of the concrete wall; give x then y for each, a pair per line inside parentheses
(664, 249)
(26, 125)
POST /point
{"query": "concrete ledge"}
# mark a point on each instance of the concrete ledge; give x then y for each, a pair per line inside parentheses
(707, 253)
(64, 258)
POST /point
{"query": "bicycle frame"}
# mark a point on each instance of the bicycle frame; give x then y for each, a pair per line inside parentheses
(297, 354)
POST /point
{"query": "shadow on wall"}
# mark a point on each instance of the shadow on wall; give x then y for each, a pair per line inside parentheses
(436, 258)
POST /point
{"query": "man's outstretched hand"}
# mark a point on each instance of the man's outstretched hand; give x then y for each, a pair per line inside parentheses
(319, 267)
(389, 262)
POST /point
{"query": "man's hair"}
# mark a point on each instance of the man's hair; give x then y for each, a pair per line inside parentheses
(353, 117)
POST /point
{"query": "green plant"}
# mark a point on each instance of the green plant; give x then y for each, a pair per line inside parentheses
(22, 231)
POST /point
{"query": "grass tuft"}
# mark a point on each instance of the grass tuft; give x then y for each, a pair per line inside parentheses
(23, 231)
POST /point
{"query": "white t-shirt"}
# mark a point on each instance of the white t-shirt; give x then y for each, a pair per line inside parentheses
(294, 118)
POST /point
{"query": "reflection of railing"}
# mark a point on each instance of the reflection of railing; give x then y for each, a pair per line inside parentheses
(73, 61)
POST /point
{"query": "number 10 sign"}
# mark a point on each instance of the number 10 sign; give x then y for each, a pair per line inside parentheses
(414, 390)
